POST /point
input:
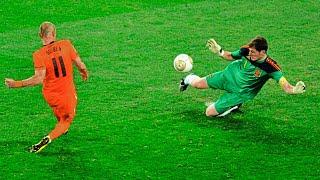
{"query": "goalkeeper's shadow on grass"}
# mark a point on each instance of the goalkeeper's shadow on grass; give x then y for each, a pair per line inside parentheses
(229, 122)
(251, 129)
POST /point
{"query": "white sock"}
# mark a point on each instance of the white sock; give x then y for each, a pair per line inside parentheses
(228, 111)
(190, 78)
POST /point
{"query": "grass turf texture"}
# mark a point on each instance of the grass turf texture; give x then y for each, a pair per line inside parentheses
(131, 121)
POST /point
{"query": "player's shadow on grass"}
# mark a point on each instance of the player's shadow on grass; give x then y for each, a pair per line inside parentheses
(9, 146)
(58, 151)
(24, 146)
(60, 147)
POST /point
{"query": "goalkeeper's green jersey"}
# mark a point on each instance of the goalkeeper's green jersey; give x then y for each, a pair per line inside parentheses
(246, 77)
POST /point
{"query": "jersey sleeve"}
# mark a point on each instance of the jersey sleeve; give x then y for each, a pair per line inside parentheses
(276, 75)
(38, 61)
(273, 69)
(72, 51)
(239, 53)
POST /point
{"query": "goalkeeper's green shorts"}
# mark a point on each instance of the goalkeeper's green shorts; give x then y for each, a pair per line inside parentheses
(229, 99)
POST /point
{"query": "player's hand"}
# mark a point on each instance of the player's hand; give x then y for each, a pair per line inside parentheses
(10, 83)
(84, 74)
(299, 88)
(214, 47)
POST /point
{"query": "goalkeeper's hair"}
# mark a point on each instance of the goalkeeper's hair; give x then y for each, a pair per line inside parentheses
(259, 43)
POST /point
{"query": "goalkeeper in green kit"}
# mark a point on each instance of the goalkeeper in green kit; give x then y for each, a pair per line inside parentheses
(243, 78)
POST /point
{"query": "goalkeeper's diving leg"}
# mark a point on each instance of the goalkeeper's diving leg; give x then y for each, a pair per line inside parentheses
(194, 81)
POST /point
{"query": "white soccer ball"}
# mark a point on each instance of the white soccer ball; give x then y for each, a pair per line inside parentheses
(182, 63)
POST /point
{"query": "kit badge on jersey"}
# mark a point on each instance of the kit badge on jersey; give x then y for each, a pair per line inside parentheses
(257, 73)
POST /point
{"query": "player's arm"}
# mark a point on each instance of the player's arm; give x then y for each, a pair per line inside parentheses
(290, 89)
(82, 68)
(227, 55)
(37, 78)
(216, 48)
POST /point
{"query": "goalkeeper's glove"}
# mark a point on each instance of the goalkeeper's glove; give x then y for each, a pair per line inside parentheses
(299, 88)
(215, 47)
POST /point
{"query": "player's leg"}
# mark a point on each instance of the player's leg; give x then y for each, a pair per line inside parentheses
(56, 113)
(226, 104)
(52, 101)
(215, 80)
(64, 112)
(47, 139)
(194, 81)
(61, 127)
(211, 110)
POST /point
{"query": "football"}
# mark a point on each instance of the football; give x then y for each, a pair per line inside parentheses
(183, 63)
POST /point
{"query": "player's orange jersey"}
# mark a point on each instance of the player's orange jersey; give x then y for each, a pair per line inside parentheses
(57, 59)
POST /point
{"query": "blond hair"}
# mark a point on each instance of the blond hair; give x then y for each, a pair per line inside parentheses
(47, 28)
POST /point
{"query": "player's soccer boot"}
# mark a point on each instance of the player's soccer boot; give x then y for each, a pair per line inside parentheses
(66, 132)
(42, 144)
(183, 86)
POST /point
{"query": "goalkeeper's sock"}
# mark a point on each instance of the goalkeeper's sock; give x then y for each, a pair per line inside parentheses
(228, 111)
(190, 78)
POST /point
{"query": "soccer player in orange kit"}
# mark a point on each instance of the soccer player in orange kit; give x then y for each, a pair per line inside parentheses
(53, 64)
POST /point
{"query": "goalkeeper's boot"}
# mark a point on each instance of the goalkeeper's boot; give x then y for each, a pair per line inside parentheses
(183, 86)
(42, 144)
(232, 109)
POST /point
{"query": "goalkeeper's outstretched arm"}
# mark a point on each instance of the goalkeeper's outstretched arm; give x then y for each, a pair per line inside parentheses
(227, 56)
(299, 88)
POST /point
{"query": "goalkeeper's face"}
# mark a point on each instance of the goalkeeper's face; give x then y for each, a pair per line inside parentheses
(256, 55)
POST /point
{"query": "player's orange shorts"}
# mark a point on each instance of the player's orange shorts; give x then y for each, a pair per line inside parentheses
(62, 105)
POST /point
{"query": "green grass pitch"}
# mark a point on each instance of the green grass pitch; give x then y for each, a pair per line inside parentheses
(132, 122)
